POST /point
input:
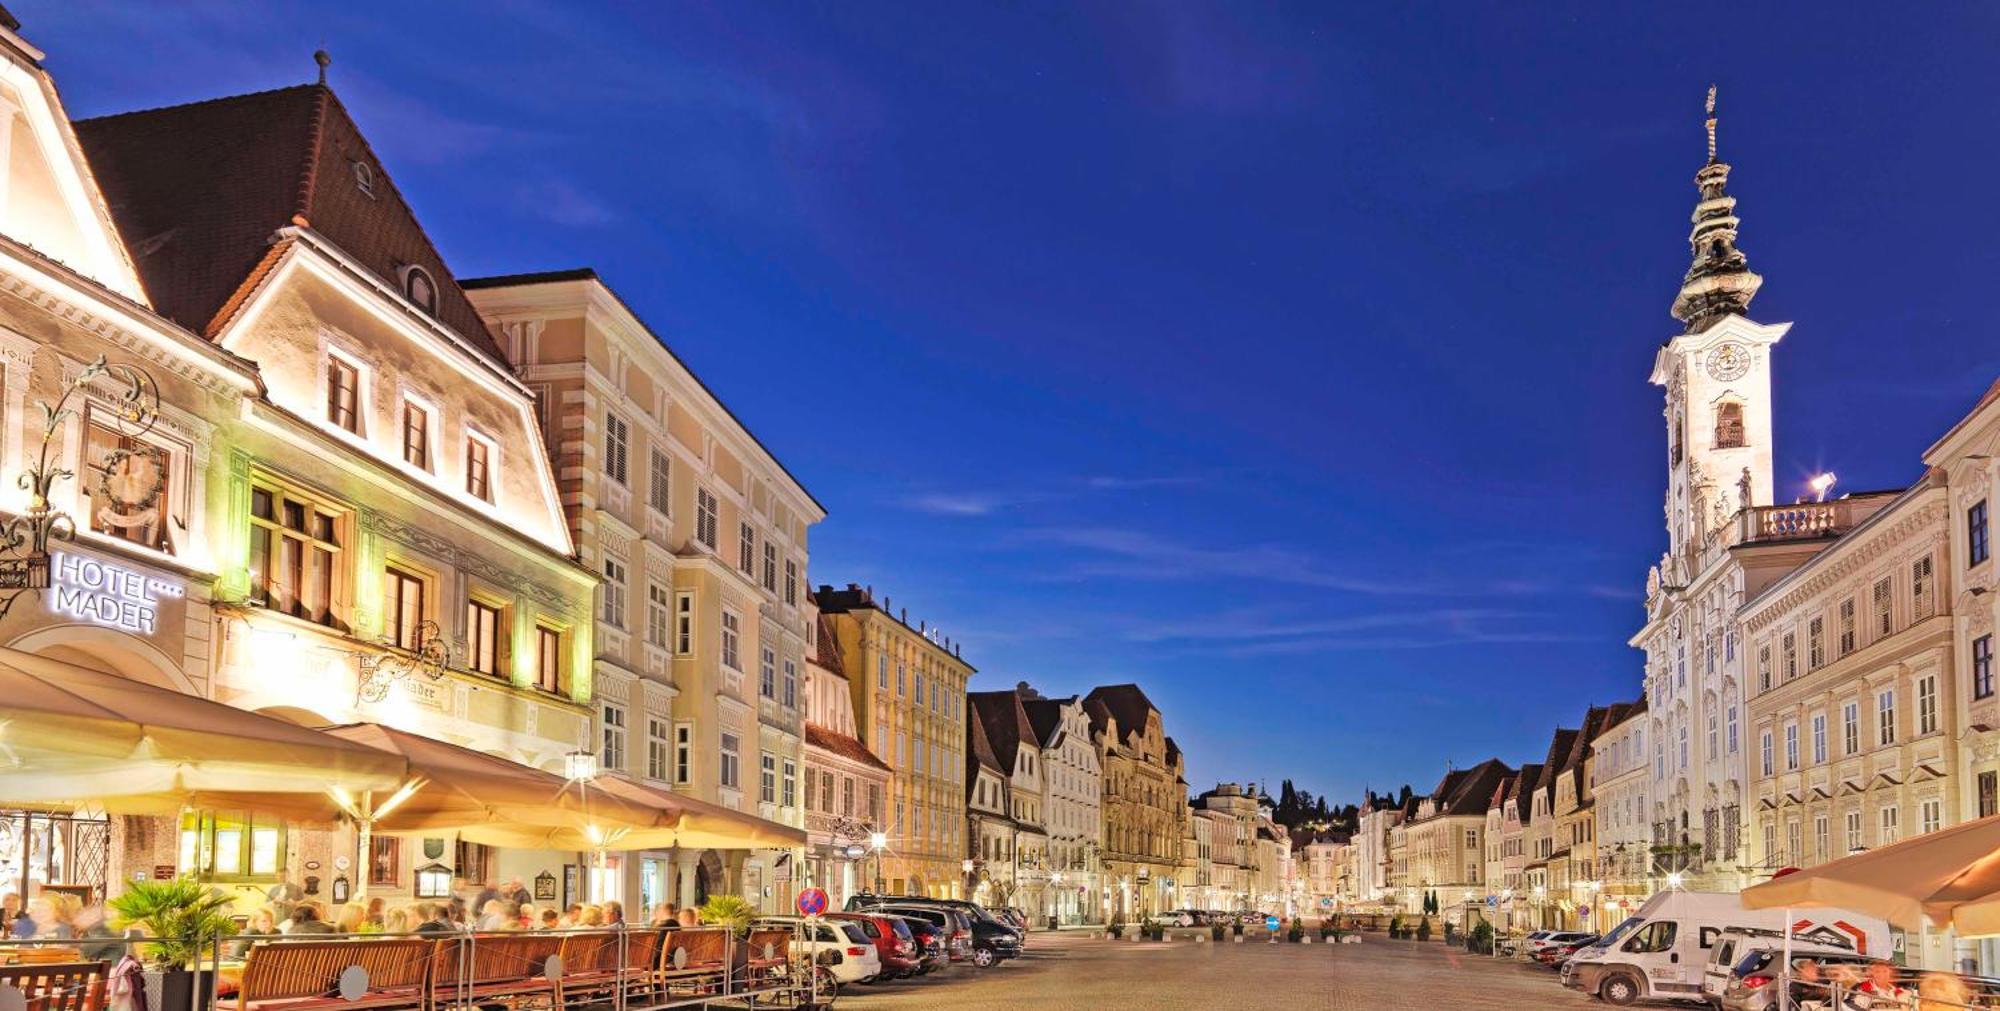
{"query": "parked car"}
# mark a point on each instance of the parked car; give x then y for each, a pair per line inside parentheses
(988, 941)
(956, 926)
(1752, 985)
(1735, 946)
(842, 949)
(1555, 955)
(894, 943)
(1554, 939)
(933, 949)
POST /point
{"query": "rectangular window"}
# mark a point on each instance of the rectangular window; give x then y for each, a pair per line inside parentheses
(661, 487)
(767, 674)
(1982, 666)
(612, 756)
(402, 607)
(788, 793)
(612, 611)
(684, 623)
(657, 748)
(1764, 747)
(847, 798)
(1791, 746)
(479, 468)
(416, 436)
(548, 659)
(1732, 730)
(791, 581)
(730, 635)
(1891, 829)
(659, 616)
(1791, 654)
(617, 437)
(1822, 844)
(1922, 590)
(1712, 741)
(385, 860)
(1763, 668)
(1853, 831)
(770, 567)
(1976, 548)
(343, 395)
(1846, 627)
(746, 550)
(1885, 716)
(1927, 710)
(1989, 794)
(1882, 601)
(705, 509)
(1793, 851)
(683, 753)
(129, 484)
(1819, 738)
(482, 638)
(767, 778)
(1850, 728)
(1930, 815)
(1816, 643)
(294, 548)
(790, 696)
(882, 673)
(729, 772)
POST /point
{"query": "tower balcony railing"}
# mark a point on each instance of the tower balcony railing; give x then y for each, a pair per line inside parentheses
(1808, 519)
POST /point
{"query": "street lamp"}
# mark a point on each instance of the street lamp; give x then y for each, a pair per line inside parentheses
(877, 841)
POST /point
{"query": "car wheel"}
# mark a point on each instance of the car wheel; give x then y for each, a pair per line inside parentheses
(1618, 989)
(983, 957)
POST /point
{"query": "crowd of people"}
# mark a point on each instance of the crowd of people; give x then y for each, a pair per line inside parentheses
(1874, 986)
(59, 916)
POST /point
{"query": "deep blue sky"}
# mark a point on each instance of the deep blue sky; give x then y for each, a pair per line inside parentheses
(1290, 361)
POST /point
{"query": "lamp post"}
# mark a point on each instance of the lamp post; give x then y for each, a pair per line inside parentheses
(877, 841)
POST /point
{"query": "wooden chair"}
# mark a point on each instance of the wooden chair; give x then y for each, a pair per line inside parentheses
(289, 975)
(506, 970)
(58, 986)
(694, 961)
(639, 971)
(591, 966)
(770, 953)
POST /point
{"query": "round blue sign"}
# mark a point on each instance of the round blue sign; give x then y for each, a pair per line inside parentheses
(1271, 924)
(812, 902)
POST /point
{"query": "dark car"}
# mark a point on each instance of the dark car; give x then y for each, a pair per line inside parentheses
(987, 941)
(933, 950)
(893, 941)
(957, 934)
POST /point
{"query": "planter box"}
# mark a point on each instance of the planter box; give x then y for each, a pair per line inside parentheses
(179, 990)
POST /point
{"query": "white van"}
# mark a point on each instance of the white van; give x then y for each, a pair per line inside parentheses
(1662, 951)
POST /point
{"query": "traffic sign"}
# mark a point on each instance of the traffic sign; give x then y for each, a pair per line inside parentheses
(812, 901)
(1271, 924)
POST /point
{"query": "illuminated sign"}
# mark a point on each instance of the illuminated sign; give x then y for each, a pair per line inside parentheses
(108, 594)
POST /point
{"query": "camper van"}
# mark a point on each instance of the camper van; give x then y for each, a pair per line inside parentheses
(1662, 951)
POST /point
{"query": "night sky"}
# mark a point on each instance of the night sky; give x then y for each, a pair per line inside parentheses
(1289, 361)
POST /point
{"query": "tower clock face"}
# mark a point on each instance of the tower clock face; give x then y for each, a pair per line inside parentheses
(1728, 361)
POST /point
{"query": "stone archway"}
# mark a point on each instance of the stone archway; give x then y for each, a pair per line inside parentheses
(709, 878)
(915, 886)
(110, 651)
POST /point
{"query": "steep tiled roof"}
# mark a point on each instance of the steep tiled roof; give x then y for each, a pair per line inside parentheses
(826, 650)
(980, 751)
(1470, 791)
(840, 744)
(1045, 715)
(1126, 704)
(1005, 723)
(1524, 797)
(1559, 745)
(197, 191)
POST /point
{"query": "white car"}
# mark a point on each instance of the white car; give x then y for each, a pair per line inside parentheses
(838, 946)
(1178, 918)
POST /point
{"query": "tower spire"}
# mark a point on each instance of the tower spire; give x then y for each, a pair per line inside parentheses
(1720, 282)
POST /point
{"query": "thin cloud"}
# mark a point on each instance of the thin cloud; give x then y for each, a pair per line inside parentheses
(1113, 483)
(563, 203)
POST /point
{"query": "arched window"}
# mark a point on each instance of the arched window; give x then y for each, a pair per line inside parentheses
(364, 179)
(1729, 425)
(419, 288)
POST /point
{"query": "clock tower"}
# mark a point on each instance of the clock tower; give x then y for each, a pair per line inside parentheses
(1717, 374)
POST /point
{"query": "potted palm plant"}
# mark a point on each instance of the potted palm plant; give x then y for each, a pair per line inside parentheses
(183, 919)
(733, 912)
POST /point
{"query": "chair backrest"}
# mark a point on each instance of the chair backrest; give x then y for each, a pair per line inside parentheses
(278, 970)
(703, 945)
(58, 986)
(778, 939)
(642, 948)
(595, 951)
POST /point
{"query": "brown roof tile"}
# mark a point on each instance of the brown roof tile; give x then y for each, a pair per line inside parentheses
(197, 191)
(830, 740)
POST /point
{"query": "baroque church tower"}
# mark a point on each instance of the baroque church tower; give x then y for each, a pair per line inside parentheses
(1717, 374)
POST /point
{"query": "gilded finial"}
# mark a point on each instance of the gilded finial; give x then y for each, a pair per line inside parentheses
(1711, 122)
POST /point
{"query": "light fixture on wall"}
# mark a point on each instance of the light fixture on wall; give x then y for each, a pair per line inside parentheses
(433, 881)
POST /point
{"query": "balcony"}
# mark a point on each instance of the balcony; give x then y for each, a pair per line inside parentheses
(1807, 519)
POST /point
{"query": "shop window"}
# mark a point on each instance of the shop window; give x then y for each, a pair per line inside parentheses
(295, 548)
(385, 861)
(129, 483)
(231, 846)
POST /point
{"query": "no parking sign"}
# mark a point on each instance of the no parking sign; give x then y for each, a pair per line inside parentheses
(812, 901)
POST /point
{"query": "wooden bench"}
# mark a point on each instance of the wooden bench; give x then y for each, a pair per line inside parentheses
(694, 961)
(58, 986)
(296, 975)
(770, 955)
(591, 966)
(507, 970)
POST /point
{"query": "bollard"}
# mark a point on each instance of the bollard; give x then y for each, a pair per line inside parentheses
(1306, 939)
(1201, 938)
(1239, 939)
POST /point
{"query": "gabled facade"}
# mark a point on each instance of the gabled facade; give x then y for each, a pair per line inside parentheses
(1144, 805)
(1621, 773)
(845, 784)
(990, 832)
(1446, 841)
(1018, 753)
(1073, 791)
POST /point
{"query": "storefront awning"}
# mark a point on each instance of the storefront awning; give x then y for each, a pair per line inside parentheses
(72, 736)
(486, 798)
(1951, 877)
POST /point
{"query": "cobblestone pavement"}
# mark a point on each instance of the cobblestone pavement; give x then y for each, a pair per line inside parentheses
(1073, 970)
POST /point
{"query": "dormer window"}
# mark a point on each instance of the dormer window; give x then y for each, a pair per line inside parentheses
(418, 287)
(364, 179)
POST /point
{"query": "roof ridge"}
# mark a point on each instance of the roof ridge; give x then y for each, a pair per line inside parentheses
(315, 143)
(217, 100)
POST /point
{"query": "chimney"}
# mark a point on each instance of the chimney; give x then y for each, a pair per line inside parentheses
(904, 617)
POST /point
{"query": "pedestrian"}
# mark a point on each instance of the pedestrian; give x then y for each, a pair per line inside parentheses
(305, 920)
(614, 913)
(262, 924)
(689, 917)
(550, 920)
(497, 916)
(376, 914)
(90, 925)
(515, 892)
(352, 919)
(432, 921)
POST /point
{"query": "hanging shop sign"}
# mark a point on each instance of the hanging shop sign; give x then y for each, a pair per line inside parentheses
(106, 594)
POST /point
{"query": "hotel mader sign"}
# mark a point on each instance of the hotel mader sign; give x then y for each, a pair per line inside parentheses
(107, 594)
